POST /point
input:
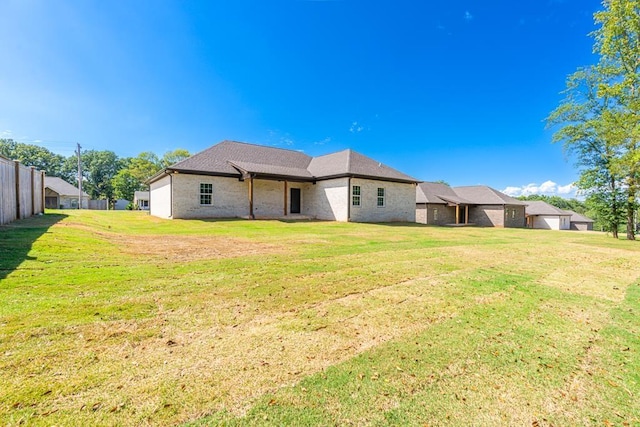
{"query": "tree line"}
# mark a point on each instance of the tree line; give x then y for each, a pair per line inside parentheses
(104, 174)
(599, 119)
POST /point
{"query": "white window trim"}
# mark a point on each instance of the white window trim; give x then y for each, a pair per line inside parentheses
(383, 197)
(210, 194)
(354, 196)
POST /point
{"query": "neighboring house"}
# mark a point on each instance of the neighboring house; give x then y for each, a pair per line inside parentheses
(472, 205)
(120, 204)
(141, 200)
(541, 214)
(235, 179)
(59, 194)
(580, 222)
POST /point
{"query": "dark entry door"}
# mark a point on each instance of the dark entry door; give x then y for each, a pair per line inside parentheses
(51, 202)
(295, 200)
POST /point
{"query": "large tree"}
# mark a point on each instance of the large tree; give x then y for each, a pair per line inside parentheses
(618, 43)
(600, 117)
(587, 120)
(173, 157)
(33, 155)
(98, 170)
(137, 170)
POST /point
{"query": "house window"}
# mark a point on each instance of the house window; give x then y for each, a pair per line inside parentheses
(206, 194)
(355, 195)
(380, 197)
(513, 214)
(435, 214)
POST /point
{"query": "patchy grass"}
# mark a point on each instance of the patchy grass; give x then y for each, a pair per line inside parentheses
(119, 318)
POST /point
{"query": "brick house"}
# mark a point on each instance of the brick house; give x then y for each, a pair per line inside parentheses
(236, 179)
(439, 204)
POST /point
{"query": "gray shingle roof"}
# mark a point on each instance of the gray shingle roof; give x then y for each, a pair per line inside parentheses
(216, 159)
(439, 193)
(576, 217)
(539, 207)
(61, 186)
(232, 158)
(349, 162)
(268, 169)
(483, 195)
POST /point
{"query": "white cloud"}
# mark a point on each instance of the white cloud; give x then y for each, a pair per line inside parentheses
(567, 189)
(468, 16)
(278, 138)
(6, 134)
(512, 191)
(548, 188)
(323, 141)
(356, 127)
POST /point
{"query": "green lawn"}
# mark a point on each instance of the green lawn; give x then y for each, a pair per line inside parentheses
(119, 318)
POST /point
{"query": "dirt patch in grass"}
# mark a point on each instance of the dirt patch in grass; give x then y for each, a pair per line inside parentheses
(191, 248)
(181, 248)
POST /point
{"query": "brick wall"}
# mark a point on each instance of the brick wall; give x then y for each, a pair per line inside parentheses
(487, 215)
(514, 216)
(178, 196)
(327, 200)
(400, 202)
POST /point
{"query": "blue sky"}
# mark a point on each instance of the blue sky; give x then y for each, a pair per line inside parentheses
(455, 91)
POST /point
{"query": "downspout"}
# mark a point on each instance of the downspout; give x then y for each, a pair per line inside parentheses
(349, 199)
(285, 197)
(251, 215)
(170, 197)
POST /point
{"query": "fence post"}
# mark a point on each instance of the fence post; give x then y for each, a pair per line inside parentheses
(33, 190)
(42, 175)
(17, 165)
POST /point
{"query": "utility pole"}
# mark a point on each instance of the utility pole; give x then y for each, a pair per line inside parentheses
(79, 178)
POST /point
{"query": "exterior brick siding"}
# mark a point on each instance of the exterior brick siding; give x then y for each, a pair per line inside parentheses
(426, 214)
(400, 202)
(178, 196)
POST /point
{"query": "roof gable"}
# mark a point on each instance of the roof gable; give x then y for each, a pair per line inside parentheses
(61, 186)
(540, 207)
(238, 158)
(576, 217)
(484, 195)
(216, 159)
(439, 193)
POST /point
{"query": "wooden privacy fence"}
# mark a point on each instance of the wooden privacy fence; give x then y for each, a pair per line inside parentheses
(21, 191)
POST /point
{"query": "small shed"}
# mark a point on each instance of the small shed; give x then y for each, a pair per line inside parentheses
(59, 194)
